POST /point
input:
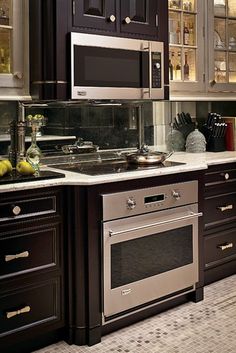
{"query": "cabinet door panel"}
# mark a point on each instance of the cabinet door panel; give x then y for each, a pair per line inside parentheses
(29, 251)
(220, 248)
(30, 306)
(95, 14)
(219, 210)
(139, 16)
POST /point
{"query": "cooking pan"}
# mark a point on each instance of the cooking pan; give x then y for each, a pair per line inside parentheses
(144, 156)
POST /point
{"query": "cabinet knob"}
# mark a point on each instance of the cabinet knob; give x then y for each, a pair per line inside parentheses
(226, 176)
(212, 83)
(127, 20)
(18, 75)
(16, 210)
(112, 18)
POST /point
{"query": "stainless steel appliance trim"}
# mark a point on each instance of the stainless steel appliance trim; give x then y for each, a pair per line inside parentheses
(104, 322)
(95, 40)
(191, 215)
(159, 285)
(188, 192)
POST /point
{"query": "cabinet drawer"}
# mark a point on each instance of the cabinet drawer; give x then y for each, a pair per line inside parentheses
(220, 248)
(221, 176)
(29, 250)
(220, 179)
(219, 209)
(31, 306)
(18, 209)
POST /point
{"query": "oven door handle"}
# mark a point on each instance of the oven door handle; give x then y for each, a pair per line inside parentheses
(191, 215)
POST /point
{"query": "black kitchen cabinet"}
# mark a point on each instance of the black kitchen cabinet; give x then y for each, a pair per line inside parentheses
(32, 307)
(51, 23)
(97, 14)
(219, 222)
(139, 18)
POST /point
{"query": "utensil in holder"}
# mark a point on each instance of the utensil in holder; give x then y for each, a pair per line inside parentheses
(216, 144)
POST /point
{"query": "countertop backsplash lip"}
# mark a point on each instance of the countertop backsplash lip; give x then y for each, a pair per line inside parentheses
(193, 162)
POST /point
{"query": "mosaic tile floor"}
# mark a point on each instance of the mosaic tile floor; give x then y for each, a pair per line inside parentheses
(205, 327)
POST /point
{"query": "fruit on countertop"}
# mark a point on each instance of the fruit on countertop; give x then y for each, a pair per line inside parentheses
(3, 169)
(8, 165)
(25, 168)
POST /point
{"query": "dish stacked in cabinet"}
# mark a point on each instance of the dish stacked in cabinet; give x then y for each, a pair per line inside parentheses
(220, 222)
(31, 268)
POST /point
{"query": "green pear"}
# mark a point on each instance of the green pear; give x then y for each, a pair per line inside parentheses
(8, 165)
(25, 168)
(3, 169)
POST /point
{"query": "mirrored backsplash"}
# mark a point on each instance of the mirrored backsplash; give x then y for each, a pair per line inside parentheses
(111, 125)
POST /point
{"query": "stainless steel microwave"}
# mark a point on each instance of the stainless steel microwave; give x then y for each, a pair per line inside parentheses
(104, 67)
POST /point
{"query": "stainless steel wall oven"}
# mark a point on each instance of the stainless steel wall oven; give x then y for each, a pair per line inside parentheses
(150, 246)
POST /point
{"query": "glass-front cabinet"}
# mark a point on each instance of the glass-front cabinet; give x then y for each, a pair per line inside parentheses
(186, 45)
(13, 50)
(222, 49)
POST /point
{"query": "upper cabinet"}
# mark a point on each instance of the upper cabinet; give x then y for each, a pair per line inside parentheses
(186, 45)
(202, 49)
(124, 17)
(222, 47)
(13, 48)
(52, 21)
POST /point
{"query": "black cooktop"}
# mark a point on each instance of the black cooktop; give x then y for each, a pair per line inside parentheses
(109, 167)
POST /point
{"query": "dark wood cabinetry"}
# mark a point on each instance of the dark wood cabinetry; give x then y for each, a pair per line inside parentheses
(220, 222)
(125, 17)
(52, 21)
(31, 269)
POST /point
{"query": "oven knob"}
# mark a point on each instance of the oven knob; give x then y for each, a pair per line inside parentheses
(131, 203)
(176, 195)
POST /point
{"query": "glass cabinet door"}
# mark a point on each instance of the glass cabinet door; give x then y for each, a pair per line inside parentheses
(11, 43)
(186, 49)
(222, 55)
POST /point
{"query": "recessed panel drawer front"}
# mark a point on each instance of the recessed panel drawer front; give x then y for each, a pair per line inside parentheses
(222, 180)
(220, 248)
(28, 307)
(33, 207)
(219, 209)
(29, 251)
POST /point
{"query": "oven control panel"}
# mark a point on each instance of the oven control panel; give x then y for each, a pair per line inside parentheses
(133, 202)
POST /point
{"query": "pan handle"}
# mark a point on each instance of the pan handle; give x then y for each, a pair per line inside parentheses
(169, 154)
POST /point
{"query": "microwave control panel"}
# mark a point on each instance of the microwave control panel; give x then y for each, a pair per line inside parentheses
(156, 70)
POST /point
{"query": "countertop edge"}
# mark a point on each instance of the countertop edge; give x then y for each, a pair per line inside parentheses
(193, 162)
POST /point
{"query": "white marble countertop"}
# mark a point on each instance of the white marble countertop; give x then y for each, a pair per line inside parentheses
(193, 161)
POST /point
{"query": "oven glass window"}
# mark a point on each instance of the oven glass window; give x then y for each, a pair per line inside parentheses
(105, 67)
(140, 258)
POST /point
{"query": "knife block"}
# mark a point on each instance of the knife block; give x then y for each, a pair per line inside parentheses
(216, 144)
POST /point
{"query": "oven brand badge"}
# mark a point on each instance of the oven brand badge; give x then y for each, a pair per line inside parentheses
(126, 291)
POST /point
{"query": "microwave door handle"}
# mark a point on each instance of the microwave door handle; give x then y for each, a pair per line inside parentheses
(147, 47)
(150, 69)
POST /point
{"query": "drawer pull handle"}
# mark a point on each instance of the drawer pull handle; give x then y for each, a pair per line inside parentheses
(16, 256)
(16, 210)
(24, 310)
(225, 208)
(225, 246)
